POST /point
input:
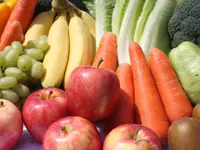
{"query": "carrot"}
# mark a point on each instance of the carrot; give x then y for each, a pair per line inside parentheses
(173, 96)
(125, 76)
(150, 111)
(16, 32)
(124, 113)
(107, 51)
(23, 13)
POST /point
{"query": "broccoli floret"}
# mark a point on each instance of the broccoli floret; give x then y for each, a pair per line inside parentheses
(43, 5)
(184, 24)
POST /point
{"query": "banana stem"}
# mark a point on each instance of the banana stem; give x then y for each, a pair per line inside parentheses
(61, 5)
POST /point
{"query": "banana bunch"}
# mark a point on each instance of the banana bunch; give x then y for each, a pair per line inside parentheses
(72, 38)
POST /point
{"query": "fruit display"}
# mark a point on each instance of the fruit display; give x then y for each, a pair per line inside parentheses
(99, 74)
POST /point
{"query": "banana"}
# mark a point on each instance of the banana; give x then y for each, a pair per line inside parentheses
(55, 60)
(80, 44)
(90, 23)
(40, 26)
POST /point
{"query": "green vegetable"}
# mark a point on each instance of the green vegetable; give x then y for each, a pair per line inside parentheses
(147, 8)
(42, 5)
(103, 15)
(127, 29)
(155, 34)
(89, 4)
(184, 25)
(186, 61)
(118, 15)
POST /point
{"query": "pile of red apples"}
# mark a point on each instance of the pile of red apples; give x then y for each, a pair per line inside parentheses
(64, 119)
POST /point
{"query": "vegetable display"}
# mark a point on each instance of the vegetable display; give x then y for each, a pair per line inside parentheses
(100, 74)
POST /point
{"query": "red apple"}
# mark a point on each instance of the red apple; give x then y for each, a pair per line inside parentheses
(132, 137)
(124, 113)
(72, 133)
(10, 125)
(92, 92)
(42, 108)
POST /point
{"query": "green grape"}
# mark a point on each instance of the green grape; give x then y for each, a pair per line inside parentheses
(24, 78)
(2, 59)
(31, 44)
(7, 49)
(17, 45)
(7, 82)
(21, 90)
(35, 53)
(10, 95)
(1, 73)
(37, 70)
(33, 60)
(13, 72)
(11, 58)
(42, 44)
(24, 63)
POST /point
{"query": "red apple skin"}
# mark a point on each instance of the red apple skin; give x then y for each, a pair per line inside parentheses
(122, 138)
(92, 93)
(39, 114)
(80, 134)
(124, 113)
(11, 125)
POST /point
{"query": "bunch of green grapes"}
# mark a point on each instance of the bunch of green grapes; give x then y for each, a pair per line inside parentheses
(18, 64)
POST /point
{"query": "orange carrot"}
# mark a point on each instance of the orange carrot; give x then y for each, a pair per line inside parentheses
(125, 76)
(107, 50)
(16, 32)
(23, 13)
(173, 96)
(150, 111)
(124, 113)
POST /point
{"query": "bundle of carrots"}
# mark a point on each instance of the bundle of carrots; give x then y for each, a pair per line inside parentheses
(18, 22)
(154, 97)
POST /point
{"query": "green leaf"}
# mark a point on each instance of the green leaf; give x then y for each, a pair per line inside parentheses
(103, 15)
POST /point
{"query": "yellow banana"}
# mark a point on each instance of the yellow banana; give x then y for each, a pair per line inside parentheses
(55, 60)
(90, 23)
(39, 26)
(80, 45)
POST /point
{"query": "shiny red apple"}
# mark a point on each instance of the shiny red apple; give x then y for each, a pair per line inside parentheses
(132, 137)
(72, 133)
(92, 92)
(10, 125)
(42, 108)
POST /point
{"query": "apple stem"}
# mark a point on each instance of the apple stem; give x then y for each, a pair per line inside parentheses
(137, 130)
(1, 103)
(50, 93)
(99, 63)
(63, 129)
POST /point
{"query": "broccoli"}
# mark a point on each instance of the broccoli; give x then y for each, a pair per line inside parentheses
(184, 24)
(43, 5)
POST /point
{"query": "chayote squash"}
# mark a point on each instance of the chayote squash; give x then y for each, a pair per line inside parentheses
(186, 61)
